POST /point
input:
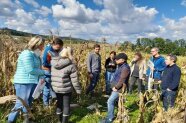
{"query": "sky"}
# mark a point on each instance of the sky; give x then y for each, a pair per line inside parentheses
(114, 20)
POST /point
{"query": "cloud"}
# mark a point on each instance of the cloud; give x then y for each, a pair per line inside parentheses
(45, 11)
(117, 19)
(6, 7)
(183, 3)
(98, 2)
(33, 3)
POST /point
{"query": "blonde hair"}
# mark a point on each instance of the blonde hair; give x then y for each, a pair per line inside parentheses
(67, 52)
(35, 42)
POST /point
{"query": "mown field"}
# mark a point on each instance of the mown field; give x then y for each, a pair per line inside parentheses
(140, 108)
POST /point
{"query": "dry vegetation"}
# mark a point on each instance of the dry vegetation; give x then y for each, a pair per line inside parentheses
(149, 102)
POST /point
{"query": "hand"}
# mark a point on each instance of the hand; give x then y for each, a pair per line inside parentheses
(168, 89)
(114, 89)
(90, 75)
(159, 81)
(134, 59)
(152, 68)
(42, 81)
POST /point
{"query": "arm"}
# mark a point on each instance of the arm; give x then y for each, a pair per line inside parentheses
(176, 79)
(75, 80)
(106, 63)
(162, 66)
(45, 58)
(89, 63)
(28, 64)
(124, 74)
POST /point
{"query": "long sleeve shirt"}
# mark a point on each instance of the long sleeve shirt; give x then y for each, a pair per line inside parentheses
(94, 63)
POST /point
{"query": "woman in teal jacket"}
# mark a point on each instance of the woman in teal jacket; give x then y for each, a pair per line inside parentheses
(27, 75)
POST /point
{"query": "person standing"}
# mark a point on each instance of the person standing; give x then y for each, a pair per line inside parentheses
(64, 79)
(94, 68)
(119, 81)
(138, 72)
(170, 82)
(27, 75)
(51, 50)
(110, 66)
(159, 66)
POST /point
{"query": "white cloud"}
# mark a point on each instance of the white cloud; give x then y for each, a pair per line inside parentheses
(33, 3)
(183, 3)
(98, 2)
(45, 11)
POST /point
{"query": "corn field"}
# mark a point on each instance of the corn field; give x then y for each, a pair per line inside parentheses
(147, 102)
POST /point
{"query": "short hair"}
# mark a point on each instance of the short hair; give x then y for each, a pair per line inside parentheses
(156, 48)
(113, 52)
(173, 57)
(35, 42)
(139, 55)
(57, 41)
(96, 46)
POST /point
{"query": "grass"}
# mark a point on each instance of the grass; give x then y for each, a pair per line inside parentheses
(78, 115)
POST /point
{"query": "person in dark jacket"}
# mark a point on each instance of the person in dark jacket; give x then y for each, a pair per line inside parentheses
(51, 50)
(119, 81)
(170, 81)
(110, 66)
(159, 66)
(94, 68)
(64, 79)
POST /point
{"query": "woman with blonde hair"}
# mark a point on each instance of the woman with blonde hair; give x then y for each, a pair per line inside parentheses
(64, 79)
(138, 71)
(26, 77)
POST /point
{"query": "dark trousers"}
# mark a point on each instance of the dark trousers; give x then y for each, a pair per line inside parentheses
(63, 104)
(93, 82)
(168, 99)
(133, 80)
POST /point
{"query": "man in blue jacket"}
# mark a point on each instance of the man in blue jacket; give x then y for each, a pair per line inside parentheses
(159, 66)
(51, 50)
(170, 81)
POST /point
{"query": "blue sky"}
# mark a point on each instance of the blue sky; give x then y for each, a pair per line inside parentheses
(115, 20)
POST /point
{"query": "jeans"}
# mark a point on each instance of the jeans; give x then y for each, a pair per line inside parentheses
(110, 104)
(168, 99)
(47, 91)
(132, 82)
(108, 77)
(24, 91)
(93, 82)
(63, 104)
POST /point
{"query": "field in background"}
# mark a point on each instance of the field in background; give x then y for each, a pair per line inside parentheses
(9, 50)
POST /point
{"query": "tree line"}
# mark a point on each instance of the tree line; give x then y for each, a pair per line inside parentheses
(166, 46)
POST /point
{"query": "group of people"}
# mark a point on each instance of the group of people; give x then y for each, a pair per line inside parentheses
(54, 65)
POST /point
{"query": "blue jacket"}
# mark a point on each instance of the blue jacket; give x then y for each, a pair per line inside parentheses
(159, 66)
(47, 56)
(28, 68)
(171, 78)
(121, 76)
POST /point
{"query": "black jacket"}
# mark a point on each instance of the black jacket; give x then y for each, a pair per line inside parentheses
(110, 65)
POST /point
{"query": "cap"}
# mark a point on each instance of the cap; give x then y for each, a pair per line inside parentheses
(121, 56)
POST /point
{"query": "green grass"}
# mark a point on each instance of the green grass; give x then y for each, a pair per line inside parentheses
(80, 114)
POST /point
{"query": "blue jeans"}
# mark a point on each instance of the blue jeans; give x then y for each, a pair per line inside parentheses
(108, 77)
(93, 82)
(47, 91)
(110, 104)
(168, 99)
(24, 91)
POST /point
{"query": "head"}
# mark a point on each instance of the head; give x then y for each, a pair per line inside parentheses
(155, 51)
(112, 54)
(170, 59)
(67, 52)
(57, 44)
(36, 42)
(121, 58)
(96, 48)
(138, 56)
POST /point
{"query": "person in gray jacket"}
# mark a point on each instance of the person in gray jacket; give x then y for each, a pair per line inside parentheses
(64, 77)
(94, 68)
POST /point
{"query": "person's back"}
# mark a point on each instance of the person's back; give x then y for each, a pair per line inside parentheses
(64, 75)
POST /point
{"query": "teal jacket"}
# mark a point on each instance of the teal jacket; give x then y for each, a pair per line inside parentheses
(28, 68)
